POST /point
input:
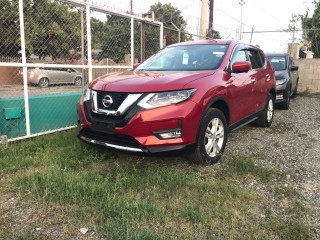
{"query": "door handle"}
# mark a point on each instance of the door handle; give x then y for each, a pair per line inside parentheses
(253, 80)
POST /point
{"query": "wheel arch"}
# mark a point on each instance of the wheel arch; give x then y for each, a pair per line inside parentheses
(221, 104)
(273, 93)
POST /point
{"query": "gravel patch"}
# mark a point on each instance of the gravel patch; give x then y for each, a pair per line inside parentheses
(292, 145)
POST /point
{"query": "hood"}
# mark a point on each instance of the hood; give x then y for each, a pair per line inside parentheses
(281, 74)
(141, 81)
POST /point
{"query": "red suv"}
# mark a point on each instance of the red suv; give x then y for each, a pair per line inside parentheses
(186, 96)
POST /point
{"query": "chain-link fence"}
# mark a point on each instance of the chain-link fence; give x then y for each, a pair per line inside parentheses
(52, 49)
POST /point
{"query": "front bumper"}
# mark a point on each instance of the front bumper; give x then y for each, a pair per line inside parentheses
(281, 93)
(138, 131)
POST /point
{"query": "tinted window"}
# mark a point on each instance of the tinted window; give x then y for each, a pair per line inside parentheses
(186, 58)
(239, 55)
(279, 63)
(262, 57)
(255, 58)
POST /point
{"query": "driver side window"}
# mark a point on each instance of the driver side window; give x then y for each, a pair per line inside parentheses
(239, 55)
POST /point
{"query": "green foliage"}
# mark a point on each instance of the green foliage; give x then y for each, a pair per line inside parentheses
(313, 23)
(9, 28)
(242, 165)
(171, 18)
(52, 28)
(115, 38)
(216, 34)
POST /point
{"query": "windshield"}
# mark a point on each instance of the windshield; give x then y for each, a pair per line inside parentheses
(278, 62)
(186, 58)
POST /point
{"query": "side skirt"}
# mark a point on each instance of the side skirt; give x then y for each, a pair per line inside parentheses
(245, 121)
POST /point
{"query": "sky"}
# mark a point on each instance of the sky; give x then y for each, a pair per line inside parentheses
(267, 15)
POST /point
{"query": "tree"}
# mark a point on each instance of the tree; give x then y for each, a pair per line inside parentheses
(313, 36)
(51, 28)
(9, 28)
(115, 40)
(215, 34)
(171, 18)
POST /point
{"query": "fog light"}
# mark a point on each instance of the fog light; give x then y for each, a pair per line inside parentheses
(168, 134)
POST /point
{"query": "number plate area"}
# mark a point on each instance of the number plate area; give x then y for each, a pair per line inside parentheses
(103, 127)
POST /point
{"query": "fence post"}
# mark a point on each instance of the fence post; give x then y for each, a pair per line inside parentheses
(24, 69)
(132, 41)
(161, 35)
(89, 42)
(82, 50)
(143, 40)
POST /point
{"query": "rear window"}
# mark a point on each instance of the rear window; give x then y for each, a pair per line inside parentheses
(255, 58)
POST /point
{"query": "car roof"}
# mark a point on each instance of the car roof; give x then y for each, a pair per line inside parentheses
(205, 42)
(213, 41)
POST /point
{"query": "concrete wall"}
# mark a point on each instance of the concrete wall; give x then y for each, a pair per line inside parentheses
(309, 75)
(10, 75)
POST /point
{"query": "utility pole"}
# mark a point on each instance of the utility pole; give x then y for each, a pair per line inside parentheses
(242, 2)
(210, 27)
(252, 30)
(131, 7)
(203, 19)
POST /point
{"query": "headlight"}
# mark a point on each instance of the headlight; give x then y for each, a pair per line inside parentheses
(86, 94)
(280, 81)
(153, 100)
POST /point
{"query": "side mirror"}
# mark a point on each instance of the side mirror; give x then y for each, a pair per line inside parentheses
(240, 67)
(136, 65)
(294, 67)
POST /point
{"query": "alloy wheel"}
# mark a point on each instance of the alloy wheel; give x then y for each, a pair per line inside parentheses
(214, 137)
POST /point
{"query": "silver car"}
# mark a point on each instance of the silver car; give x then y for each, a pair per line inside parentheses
(44, 76)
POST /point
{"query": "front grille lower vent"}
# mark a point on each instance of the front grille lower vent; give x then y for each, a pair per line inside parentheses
(120, 140)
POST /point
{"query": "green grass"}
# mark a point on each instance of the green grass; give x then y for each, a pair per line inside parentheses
(307, 93)
(137, 197)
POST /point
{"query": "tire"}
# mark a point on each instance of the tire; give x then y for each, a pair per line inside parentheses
(266, 118)
(295, 91)
(43, 82)
(211, 138)
(285, 104)
(78, 81)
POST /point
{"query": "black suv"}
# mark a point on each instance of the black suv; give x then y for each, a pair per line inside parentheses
(287, 78)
